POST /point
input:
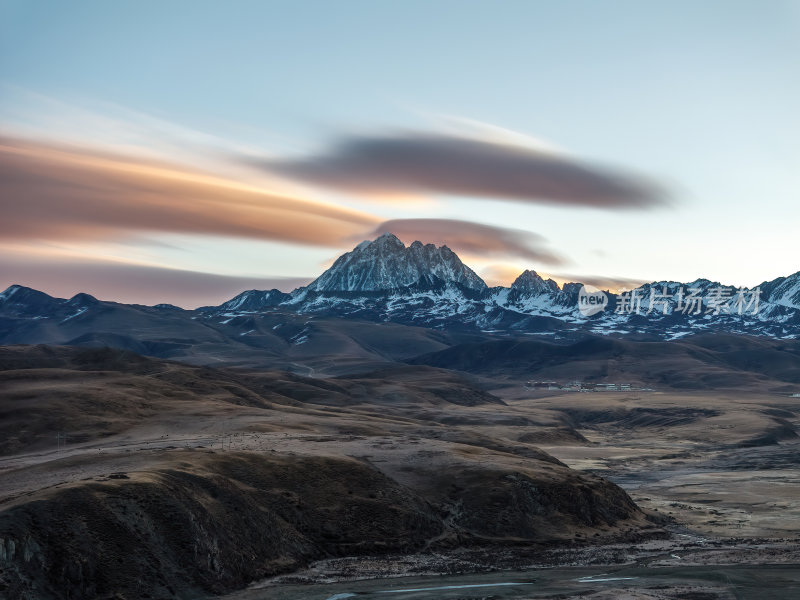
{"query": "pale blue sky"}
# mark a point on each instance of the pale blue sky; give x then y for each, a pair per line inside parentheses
(700, 96)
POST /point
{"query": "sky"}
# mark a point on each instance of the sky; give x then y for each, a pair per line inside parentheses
(184, 151)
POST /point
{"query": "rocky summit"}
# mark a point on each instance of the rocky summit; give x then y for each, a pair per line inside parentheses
(387, 264)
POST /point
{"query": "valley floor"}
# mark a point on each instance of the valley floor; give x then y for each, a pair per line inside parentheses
(605, 582)
(191, 466)
(731, 471)
(733, 512)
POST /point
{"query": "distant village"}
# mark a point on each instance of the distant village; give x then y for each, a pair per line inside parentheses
(583, 386)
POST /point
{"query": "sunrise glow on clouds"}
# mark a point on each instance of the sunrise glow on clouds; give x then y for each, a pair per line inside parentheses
(89, 192)
(115, 191)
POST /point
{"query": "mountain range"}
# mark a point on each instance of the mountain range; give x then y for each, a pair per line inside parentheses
(421, 285)
(429, 286)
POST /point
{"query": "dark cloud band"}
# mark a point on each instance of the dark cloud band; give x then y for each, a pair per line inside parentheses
(468, 167)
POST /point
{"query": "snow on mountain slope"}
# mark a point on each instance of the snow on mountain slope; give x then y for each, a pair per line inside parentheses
(253, 300)
(529, 282)
(420, 284)
(21, 301)
(385, 281)
(784, 291)
(386, 264)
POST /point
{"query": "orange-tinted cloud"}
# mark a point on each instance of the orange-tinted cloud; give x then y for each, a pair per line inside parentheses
(70, 193)
(505, 274)
(602, 282)
(475, 239)
(464, 166)
(500, 274)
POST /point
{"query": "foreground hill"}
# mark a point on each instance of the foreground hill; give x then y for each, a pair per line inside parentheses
(182, 481)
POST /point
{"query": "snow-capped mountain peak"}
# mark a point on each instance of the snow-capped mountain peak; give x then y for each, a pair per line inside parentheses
(784, 291)
(386, 264)
(531, 282)
(428, 285)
